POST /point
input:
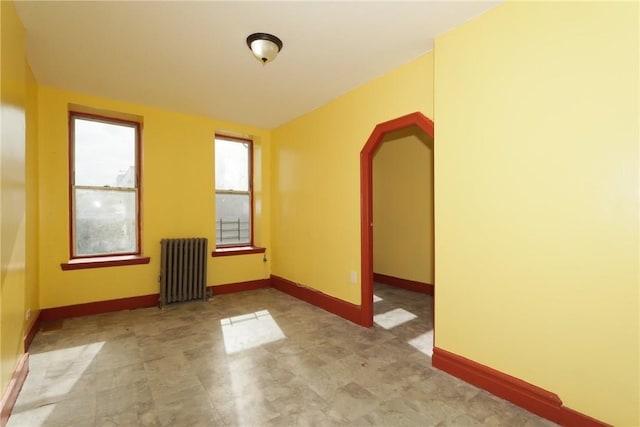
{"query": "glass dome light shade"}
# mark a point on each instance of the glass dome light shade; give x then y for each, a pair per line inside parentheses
(265, 47)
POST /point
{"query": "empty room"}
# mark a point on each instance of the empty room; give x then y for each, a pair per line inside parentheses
(367, 213)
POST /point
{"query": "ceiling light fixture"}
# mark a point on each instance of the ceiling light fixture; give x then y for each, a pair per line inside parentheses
(265, 47)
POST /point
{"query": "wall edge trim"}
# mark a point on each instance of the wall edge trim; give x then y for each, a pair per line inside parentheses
(33, 329)
(573, 418)
(13, 389)
(98, 307)
(410, 285)
(131, 303)
(240, 286)
(528, 396)
(315, 297)
(366, 202)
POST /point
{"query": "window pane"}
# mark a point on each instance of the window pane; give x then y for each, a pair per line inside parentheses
(104, 154)
(232, 165)
(232, 219)
(105, 222)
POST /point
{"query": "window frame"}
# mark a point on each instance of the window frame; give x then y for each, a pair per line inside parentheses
(108, 259)
(236, 248)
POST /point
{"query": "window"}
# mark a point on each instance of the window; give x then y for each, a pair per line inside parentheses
(233, 163)
(105, 196)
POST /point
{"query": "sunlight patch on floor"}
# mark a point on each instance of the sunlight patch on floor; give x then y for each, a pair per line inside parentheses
(79, 358)
(423, 343)
(376, 298)
(393, 318)
(249, 331)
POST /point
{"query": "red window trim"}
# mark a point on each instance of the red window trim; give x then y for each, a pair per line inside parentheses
(237, 250)
(235, 138)
(100, 260)
(104, 261)
(251, 218)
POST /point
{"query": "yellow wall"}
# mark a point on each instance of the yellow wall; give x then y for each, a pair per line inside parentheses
(536, 186)
(32, 289)
(177, 200)
(316, 178)
(403, 206)
(536, 195)
(18, 286)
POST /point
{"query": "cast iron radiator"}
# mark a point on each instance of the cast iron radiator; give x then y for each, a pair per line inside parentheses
(183, 270)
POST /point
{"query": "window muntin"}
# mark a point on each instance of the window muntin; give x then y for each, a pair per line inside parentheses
(233, 178)
(105, 193)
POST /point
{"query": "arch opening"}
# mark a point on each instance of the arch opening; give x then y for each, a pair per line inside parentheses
(377, 137)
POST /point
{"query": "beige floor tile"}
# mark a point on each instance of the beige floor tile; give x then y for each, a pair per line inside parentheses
(257, 358)
(353, 401)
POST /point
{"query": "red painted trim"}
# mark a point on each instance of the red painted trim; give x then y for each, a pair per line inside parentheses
(326, 302)
(237, 250)
(71, 133)
(139, 182)
(142, 301)
(240, 286)
(366, 202)
(31, 332)
(13, 389)
(237, 138)
(571, 418)
(528, 396)
(87, 309)
(104, 261)
(251, 214)
(137, 124)
(410, 285)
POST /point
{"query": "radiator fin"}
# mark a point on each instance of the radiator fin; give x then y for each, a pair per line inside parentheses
(183, 270)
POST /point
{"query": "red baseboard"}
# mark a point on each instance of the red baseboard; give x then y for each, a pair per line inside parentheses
(13, 389)
(528, 396)
(31, 332)
(143, 301)
(87, 309)
(240, 286)
(571, 418)
(326, 302)
(410, 285)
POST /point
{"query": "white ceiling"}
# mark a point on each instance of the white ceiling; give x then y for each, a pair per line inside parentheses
(192, 56)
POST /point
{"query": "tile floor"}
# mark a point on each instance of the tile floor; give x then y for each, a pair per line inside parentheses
(257, 358)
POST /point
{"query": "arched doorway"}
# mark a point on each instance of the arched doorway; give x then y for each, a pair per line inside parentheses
(366, 202)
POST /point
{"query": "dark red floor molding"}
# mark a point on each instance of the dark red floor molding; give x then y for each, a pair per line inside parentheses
(87, 309)
(334, 305)
(528, 396)
(31, 332)
(571, 418)
(142, 301)
(13, 389)
(326, 302)
(410, 285)
(240, 286)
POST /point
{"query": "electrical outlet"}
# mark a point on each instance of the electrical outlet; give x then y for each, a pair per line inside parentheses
(27, 315)
(354, 277)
